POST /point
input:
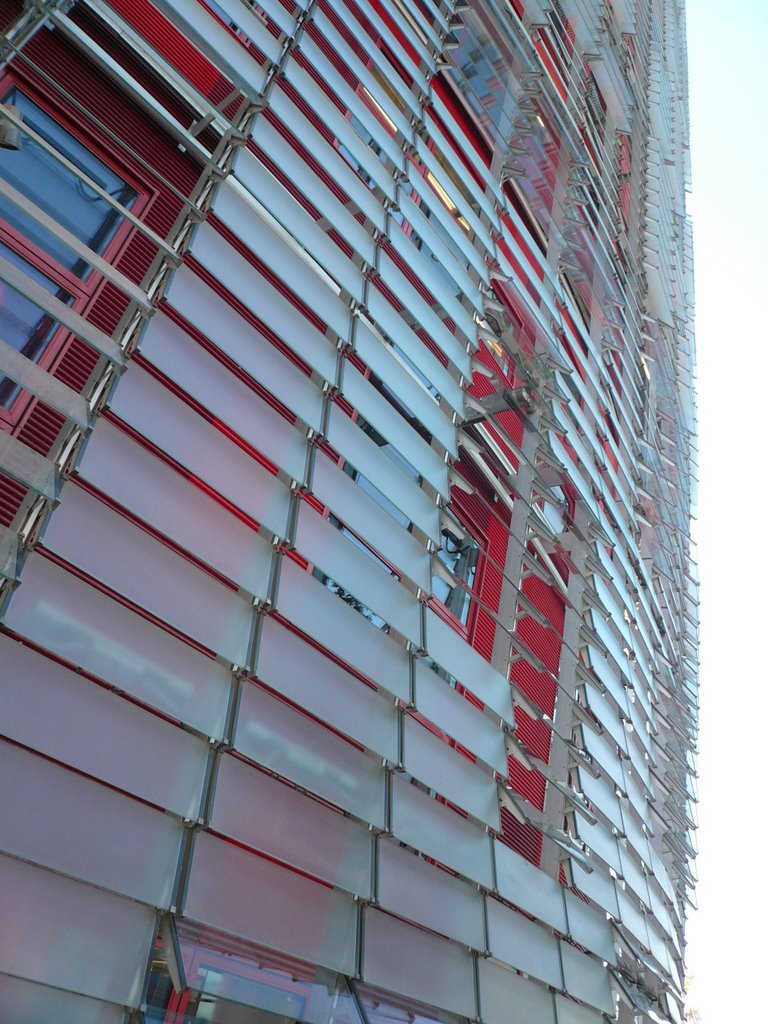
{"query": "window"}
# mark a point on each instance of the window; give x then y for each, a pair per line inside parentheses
(460, 554)
(40, 253)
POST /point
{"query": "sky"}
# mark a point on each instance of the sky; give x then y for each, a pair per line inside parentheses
(728, 79)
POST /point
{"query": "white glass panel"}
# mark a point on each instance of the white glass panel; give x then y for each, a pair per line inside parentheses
(381, 358)
(390, 321)
(425, 229)
(600, 839)
(268, 191)
(413, 888)
(601, 793)
(260, 182)
(334, 488)
(633, 876)
(299, 274)
(229, 399)
(425, 269)
(454, 714)
(69, 935)
(263, 813)
(382, 139)
(571, 1013)
(603, 749)
(502, 989)
(425, 315)
(454, 654)
(439, 832)
(607, 716)
(25, 1002)
(278, 737)
(525, 945)
(93, 537)
(72, 619)
(365, 455)
(403, 959)
(599, 886)
(589, 927)
(246, 21)
(252, 897)
(586, 978)
(326, 618)
(213, 315)
(450, 773)
(156, 493)
(327, 156)
(245, 282)
(145, 404)
(391, 425)
(529, 888)
(632, 918)
(314, 682)
(352, 568)
(61, 820)
(340, 127)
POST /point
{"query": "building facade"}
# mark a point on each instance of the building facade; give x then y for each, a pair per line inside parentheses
(348, 619)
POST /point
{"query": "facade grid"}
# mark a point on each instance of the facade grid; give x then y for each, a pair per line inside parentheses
(348, 603)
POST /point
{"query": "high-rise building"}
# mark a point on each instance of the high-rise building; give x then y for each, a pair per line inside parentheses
(348, 603)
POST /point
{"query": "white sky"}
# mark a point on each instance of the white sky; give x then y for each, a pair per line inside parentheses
(728, 73)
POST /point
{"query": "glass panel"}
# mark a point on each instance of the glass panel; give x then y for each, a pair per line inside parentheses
(316, 683)
(412, 962)
(528, 888)
(589, 928)
(330, 158)
(88, 533)
(633, 876)
(412, 888)
(440, 832)
(368, 457)
(262, 812)
(250, 896)
(357, 572)
(438, 701)
(41, 178)
(224, 49)
(450, 773)
(454, 654)
(501, 988)
(459, 553)
(284, 261)
(599, 886)
(362, 154)
(425, 315)
(599, 839)
(392, 426)
(522, 943)
(116, 842)
(77, 622)
(144, 403)
(72, 936)
(221, 393)
(275, 197)
(569, 1012)
(342, 630)
(348, 499)
(213, 315)
(231, 979)
(585, 978)
(261, 183)
(408, 384)
(393, 325)
(24, 1002)
(242, 279)
(155, 492)
(274, 735)
(632, 918)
